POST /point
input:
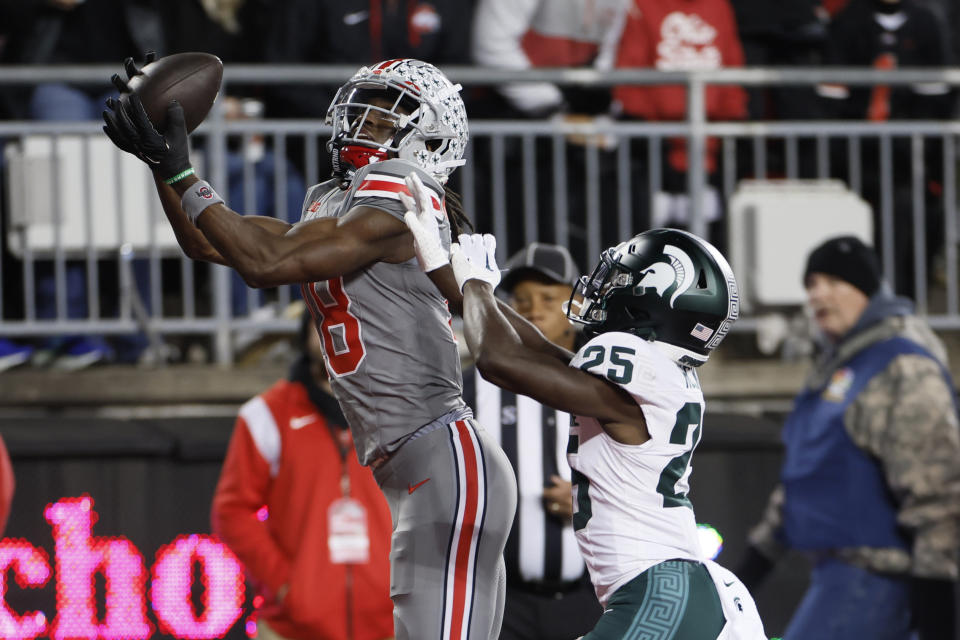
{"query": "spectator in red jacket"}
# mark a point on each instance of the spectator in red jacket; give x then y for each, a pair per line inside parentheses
(308, 522)
(677, 35)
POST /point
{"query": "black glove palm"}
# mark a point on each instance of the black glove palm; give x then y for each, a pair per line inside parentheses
(128, 126)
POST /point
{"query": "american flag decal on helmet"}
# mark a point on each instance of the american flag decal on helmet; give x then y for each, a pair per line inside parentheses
(702, 332)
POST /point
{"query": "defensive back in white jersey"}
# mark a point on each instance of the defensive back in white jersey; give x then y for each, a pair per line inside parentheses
(631, 509)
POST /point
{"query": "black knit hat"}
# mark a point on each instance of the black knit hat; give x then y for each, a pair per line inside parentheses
(849, 259)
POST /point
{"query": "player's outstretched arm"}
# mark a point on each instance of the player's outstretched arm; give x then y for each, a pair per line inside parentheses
(194, 244)
(265, 251)
(435, 262)
(190, 239)
(309, 251)
(506, 360)
(532, 337)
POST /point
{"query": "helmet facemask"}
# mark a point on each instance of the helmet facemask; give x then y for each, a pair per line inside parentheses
(585, 306)
(588, 304)
(367, 124)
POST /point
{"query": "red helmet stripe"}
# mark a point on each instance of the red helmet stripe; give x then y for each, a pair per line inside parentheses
(383, 66)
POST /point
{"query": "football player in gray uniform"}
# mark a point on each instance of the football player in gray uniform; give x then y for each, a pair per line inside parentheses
(385, 327)
(653, 309)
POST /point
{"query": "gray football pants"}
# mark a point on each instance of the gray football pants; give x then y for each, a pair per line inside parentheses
(452, 495)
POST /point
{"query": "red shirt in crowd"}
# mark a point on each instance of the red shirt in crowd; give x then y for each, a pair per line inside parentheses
(674, 35)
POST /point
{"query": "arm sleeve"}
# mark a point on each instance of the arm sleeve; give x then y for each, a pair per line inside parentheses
(906, 417)
(6, 486)
(498, 29)
(241, 491)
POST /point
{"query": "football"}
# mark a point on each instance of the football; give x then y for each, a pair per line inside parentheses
(192, 79)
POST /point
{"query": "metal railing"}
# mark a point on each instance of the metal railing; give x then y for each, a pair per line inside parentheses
(524, 181)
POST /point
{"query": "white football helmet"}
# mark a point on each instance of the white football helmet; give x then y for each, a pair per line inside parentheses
(423, 107)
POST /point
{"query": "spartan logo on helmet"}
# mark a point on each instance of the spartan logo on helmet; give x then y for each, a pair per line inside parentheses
(678, 270)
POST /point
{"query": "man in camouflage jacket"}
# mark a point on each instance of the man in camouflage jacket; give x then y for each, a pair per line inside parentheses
(870, 485)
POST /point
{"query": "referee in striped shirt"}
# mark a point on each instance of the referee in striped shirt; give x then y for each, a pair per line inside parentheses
(549, 595)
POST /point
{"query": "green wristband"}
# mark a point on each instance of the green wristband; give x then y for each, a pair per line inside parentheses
(180, 176)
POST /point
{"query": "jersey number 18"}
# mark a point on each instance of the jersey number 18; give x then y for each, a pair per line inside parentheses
(339, 329)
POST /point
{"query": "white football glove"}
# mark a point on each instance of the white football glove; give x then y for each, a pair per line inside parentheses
(474, 259)
(423, 220)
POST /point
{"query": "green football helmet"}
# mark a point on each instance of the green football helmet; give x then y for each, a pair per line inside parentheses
(664, 285)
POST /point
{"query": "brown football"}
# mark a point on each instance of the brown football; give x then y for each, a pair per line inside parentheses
(192, 79)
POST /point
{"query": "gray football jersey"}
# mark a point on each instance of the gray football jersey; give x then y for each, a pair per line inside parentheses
(386, 331)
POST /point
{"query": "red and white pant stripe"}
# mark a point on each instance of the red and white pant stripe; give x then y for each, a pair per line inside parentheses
(462, 554)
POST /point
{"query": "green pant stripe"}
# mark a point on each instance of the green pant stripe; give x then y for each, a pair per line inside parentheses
(664, 603)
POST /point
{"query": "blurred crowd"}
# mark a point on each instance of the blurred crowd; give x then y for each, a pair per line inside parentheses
(605, 34)
(502, 34)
